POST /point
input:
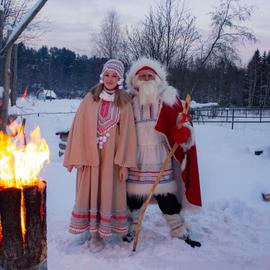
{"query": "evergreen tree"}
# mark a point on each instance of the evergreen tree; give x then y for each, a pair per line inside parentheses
(265, 79)
(253, 73)
(71, 75)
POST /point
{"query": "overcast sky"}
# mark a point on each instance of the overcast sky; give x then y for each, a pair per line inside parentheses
(71, 22)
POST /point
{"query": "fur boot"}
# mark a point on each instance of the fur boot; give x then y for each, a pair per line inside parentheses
(80, 239)
(133, 220)
(96, 243)
(177, 226)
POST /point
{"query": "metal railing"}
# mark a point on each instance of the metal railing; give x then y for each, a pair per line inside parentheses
(230, 115)
(43, 113)
(209, 115)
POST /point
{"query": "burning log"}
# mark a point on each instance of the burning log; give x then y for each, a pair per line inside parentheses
(24, 232)
(11, 236)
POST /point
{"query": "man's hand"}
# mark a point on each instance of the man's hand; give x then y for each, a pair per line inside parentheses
(123, 174)
(181, 135)
(183, 118)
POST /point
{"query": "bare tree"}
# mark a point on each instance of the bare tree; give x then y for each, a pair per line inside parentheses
(167, 34)
(228, 30)
(14, 10)
(7, 64)
(108, 41)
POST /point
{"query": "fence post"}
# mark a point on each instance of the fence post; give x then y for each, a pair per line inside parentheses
(232, 117)
(260, 114)
(227, 114)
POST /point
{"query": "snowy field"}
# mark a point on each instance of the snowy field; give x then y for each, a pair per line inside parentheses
(233, 225)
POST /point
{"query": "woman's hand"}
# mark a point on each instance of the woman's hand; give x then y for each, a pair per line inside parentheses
(123, 174)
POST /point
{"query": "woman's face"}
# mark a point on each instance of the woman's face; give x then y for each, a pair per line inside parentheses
(110, 79)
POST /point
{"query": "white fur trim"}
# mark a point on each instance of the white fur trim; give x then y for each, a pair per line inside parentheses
(105, 96)
(144, 189)
(184, 163)
(177, 225)
(168, 94)
(141, 62)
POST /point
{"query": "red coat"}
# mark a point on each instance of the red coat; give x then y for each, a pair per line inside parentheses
(165, 124)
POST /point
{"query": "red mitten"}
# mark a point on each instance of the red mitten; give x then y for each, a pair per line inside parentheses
(181, 135)
(183, 117)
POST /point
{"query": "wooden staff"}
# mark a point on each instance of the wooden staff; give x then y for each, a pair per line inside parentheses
(163, 168)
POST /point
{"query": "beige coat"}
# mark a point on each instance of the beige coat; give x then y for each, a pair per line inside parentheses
(100, 204)
(83, 134)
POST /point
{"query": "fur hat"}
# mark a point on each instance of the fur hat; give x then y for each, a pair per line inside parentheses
(114, 65)
(167, 93)
(145, 64)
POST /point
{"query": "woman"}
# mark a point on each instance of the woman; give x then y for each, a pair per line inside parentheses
(102, 146)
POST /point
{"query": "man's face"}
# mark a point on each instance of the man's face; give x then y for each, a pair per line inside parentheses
(146, 85)
(146, 75)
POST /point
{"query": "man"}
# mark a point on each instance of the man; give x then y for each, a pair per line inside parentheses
(157, 111)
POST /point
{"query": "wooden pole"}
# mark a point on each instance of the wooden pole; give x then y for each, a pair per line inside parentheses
(1, 91)
(6, 86)
(1, 65)
(1, 26)
(163, 168)
(13, 84)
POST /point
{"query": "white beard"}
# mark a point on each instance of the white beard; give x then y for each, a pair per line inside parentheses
(148, 92)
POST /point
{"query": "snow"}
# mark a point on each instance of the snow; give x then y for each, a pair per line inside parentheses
(233, 225)
(9, 28)
(194, 104)
(2, 7)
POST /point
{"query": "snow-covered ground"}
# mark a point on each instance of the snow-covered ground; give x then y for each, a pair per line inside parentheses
(233, 225)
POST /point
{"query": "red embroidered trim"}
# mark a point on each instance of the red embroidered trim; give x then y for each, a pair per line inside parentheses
(108, 116)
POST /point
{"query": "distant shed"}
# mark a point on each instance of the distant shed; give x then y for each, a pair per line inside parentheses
(46, 94)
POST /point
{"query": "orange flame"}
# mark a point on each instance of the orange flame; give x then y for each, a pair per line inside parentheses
(21, 164)
(25, 93)
(23, 229)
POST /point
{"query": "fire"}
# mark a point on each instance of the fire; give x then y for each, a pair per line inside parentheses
(23, 217)
(21, 164)
(25, 93)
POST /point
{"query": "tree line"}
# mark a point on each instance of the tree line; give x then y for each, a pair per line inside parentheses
(62, 70)
(206, 65)
(71, 75)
